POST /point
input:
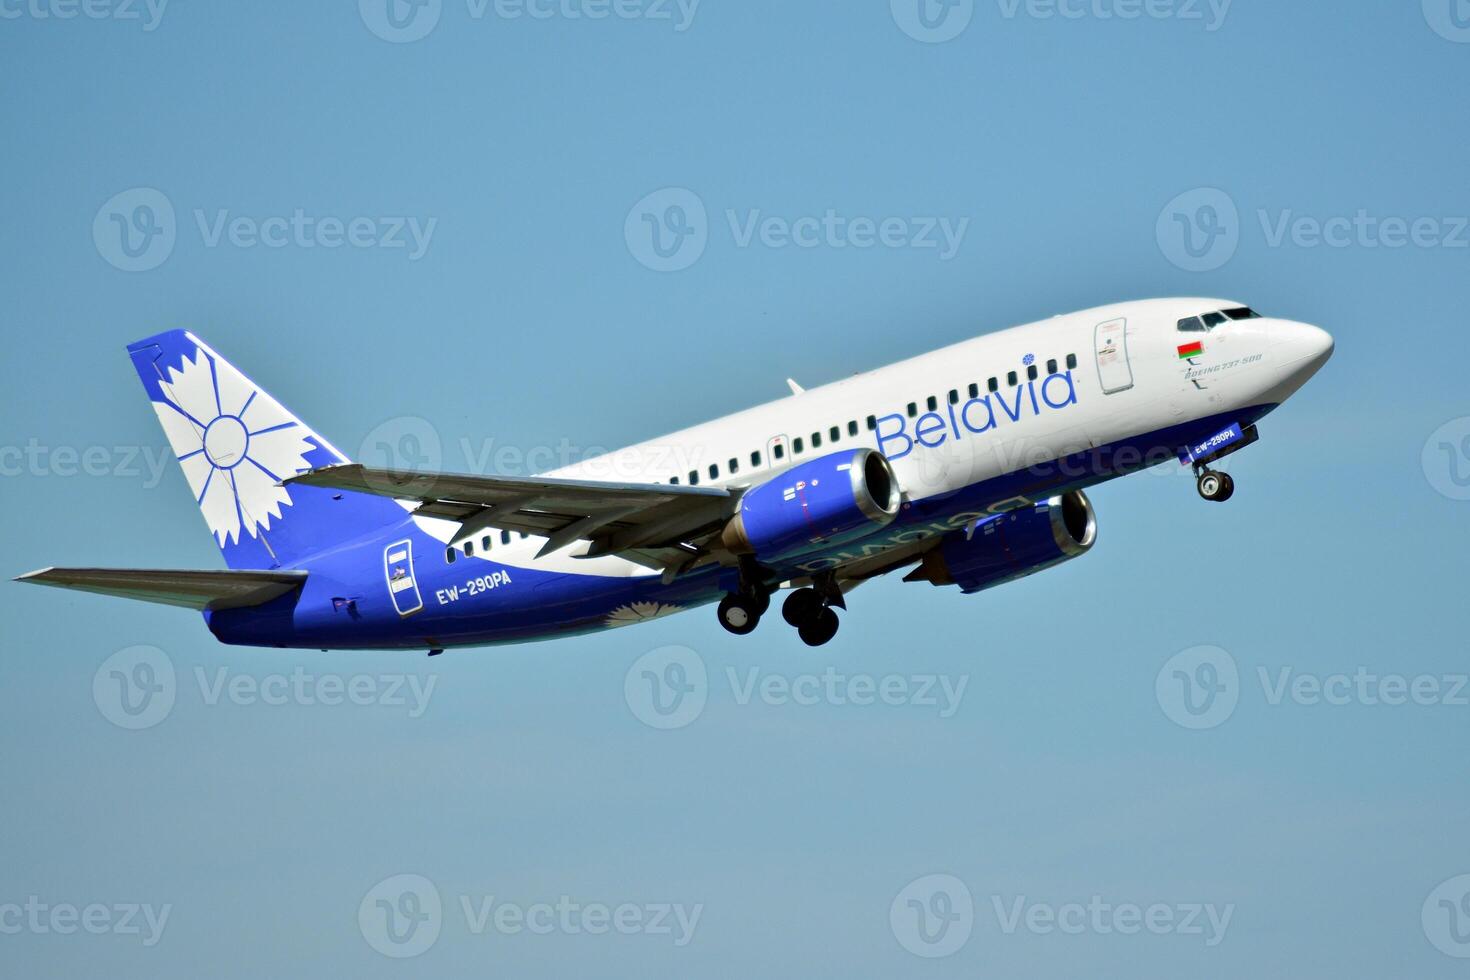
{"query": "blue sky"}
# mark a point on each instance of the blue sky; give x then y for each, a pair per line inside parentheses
(300, 146)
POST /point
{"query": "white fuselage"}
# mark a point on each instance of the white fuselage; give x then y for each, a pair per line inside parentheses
(1101, 376)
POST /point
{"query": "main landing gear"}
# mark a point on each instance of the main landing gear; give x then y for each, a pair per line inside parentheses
(740, 612)
(810, 610)
(1215, 486)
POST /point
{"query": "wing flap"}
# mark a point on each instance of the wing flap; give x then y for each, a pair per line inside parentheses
(193, 589)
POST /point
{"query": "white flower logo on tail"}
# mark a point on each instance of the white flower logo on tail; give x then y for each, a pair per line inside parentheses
(235, 443)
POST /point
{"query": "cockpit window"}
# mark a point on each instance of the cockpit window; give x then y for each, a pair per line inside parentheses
(1243, 313)
(1192, 324)
(1213, 320)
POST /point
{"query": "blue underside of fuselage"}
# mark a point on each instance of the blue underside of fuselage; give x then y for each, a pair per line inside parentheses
(345, 602)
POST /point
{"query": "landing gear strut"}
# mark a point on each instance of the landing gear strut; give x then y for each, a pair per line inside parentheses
(1215, 486)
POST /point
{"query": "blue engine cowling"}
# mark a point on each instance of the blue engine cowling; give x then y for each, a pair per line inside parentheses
(820, 503)
(1011, 545)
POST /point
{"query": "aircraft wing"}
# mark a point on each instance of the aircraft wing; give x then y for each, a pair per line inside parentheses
(655, 524)
(204, 589)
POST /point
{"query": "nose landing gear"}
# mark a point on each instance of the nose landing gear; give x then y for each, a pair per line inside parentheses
(1215, 486)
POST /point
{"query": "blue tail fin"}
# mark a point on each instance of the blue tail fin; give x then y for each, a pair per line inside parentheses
(236, 443)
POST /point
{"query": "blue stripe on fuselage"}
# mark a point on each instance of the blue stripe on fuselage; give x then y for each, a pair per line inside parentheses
(345, 603)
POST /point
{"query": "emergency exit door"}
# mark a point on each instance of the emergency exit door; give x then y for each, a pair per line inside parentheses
(1114, 372)
(403, 587)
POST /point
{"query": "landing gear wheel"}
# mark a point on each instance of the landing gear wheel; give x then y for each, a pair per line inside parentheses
(762, 600)
(739, 614)
(800, 606)
(820, 628)
(1217, 487)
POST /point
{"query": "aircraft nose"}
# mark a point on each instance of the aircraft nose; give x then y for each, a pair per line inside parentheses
(1305, 344)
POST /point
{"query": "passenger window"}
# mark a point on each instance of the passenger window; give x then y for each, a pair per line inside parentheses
(1192, 324)
(734, 466)
(755, 458)
(524, 535)
(816, 440)
(954, 396)
(694, 478)
(993, 385)
(913, 409)
(778, 451)
(852, 428)
(469, 549)
(933, 403)
(834, 434)
(1011, 379)
(797, 447)
(1031, 373)
(1051, 366)
(714, 472)
(450, 555)
(674, 480)
(485, 542)
(872, 422)
(505, 537)
(1071, 362)
(974, 390)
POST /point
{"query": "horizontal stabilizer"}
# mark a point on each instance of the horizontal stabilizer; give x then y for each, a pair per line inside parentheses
(206, 589)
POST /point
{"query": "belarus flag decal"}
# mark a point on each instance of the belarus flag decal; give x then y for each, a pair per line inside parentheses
(1187, 351)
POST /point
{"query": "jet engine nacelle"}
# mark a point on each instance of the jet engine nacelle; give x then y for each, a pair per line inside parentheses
(1011, 545)
(817, 504)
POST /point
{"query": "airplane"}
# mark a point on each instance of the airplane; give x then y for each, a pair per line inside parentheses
(965, 466)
